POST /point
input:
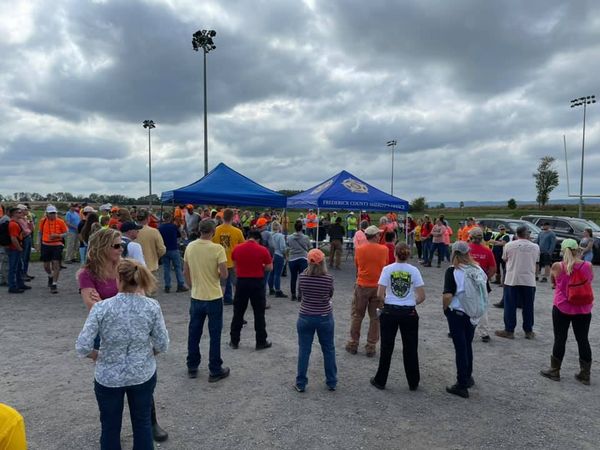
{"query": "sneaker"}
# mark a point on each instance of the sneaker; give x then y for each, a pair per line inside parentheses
(182, 289)
(486, 338)
(54, 289)
(16, 291)
(370, 353)
(25, 287)
(298, 388)
(529, 335)
(224, 374)
(470, 383)
(264, 345)
(167, 289)
(381, 387)
(192, 373)
(505, 334)
(234, 345)
(330, 388)
(31, 277)
(280, 294)
(457, 390)
(271, 291)
(50, 281)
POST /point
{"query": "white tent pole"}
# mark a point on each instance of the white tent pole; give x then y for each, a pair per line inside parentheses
(406, 228)
(318, 225)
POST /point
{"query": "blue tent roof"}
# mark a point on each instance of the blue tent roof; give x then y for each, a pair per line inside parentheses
(225, 186)
(345, 191)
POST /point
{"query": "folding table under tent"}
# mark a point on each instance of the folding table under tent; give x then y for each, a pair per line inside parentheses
(225, 186)
(345, 191)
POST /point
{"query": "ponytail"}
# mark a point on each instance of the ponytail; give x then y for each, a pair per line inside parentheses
(134, 276)
(570, 257)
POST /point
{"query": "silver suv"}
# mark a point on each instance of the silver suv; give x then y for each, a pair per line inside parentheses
(511, 225)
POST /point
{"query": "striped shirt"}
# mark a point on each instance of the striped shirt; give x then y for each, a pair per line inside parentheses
(316, 293)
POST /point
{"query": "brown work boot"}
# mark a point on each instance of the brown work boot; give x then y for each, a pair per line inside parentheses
(352, 348)
(584, 372)
(505, 334)
(370, 351)
(554, 371)
(529, 335)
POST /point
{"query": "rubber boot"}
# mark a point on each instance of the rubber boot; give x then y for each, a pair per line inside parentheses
(158, 433)
(584, 372)
(554, 371)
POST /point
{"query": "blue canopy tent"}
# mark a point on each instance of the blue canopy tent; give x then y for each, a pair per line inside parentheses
(345, 191)
(225, 186)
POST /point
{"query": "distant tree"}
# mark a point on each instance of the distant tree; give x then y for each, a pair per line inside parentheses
(441, 206)
(289, 192)
(418, 204)
(37, 197)
(546, 179)
(511, 204)
(461, 205)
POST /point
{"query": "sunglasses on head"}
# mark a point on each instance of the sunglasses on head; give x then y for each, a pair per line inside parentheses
(116, 246)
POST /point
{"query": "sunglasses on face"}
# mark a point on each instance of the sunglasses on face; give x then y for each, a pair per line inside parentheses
(116, 246)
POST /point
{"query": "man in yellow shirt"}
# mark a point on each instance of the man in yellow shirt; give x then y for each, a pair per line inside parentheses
(151, 241)
(229, 237)
(12, 429)
(204, 265)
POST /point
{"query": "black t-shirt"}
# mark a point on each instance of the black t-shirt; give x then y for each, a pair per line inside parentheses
(449, 281)
(80, 226)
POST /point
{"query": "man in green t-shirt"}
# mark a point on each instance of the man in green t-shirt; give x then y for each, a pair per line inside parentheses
(351, 227)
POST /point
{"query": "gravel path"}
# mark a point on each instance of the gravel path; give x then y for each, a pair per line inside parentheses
(511, 406)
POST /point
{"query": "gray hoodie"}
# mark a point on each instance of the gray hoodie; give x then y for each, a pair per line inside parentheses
(299, 245)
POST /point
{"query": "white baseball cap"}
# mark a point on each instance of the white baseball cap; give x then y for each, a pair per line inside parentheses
(51, 209)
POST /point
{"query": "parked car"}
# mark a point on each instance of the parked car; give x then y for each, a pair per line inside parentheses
(511, 225)
(569, 227)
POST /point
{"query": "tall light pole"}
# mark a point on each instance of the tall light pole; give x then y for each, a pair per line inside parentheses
(203, 39)
(578, 102)
(149, 124)
(393, 145)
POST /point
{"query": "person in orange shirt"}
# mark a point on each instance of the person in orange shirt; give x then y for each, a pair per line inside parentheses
(114, 218)
(463, 233)
(53, 231)
(312, 222)
(178, 216)
(370, 259)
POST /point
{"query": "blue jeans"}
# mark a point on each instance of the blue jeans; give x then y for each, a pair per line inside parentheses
(427, 250)
(172, 257)
(324, 326)
(27, 242)
(110, 403)
(275, 275)
(440, 247)
(514, 295)
(297, 266)
(227, 284)
(83, 254)
(462, 332)
(15, 269)
(199, 311)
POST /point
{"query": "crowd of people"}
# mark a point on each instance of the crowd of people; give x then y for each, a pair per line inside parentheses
(233, 257)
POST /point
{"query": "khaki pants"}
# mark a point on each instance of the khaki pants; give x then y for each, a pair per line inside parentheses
(335, 248)
(71, 246)
(365, 299)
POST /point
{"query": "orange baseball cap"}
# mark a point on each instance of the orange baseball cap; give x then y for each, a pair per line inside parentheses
(261, 222)
(315, 256)
(114, 209)
(190, 206)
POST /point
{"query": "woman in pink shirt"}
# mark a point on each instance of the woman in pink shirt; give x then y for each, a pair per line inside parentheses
(565, 312)
(438, 231)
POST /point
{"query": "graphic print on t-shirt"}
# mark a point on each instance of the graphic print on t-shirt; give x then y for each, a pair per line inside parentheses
(225, 240)
(400, 283)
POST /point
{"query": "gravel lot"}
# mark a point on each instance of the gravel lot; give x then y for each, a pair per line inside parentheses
(511, 406)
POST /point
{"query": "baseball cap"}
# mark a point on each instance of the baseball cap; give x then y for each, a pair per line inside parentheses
(569, 243)
(501, 227)
(460, 247)
(315, 256)
(105, 207)
(476, 232)
(88, 209)
(351, 213)
(372, 230)
(190, 206)
(51, 209)
(22, 206)
(114, 209)
(128, 226)
(261, 222)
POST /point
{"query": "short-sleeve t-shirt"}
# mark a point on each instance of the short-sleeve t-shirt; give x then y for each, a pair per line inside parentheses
(105, 288)
(229, 237)
(250, 259)
(454, 282)
(14, 230)
(370, 259)
(203, 258)
(48, 227)
(483, 256)
(400, 281)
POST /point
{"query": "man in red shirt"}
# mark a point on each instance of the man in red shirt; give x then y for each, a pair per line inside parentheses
(16, 285)
(370, 259)
(485, 258)
(427, 240)
(251, 261)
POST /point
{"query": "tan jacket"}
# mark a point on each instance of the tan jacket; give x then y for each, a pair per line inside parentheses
(153, 246)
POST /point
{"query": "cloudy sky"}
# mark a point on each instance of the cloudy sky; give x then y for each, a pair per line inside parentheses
(475, 92)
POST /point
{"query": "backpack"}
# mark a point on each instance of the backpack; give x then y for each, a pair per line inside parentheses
(4, 236)
(125, 244)
(579, 289)
(474, 299)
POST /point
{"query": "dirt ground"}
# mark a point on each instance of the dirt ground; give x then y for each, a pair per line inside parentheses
(511, 406)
